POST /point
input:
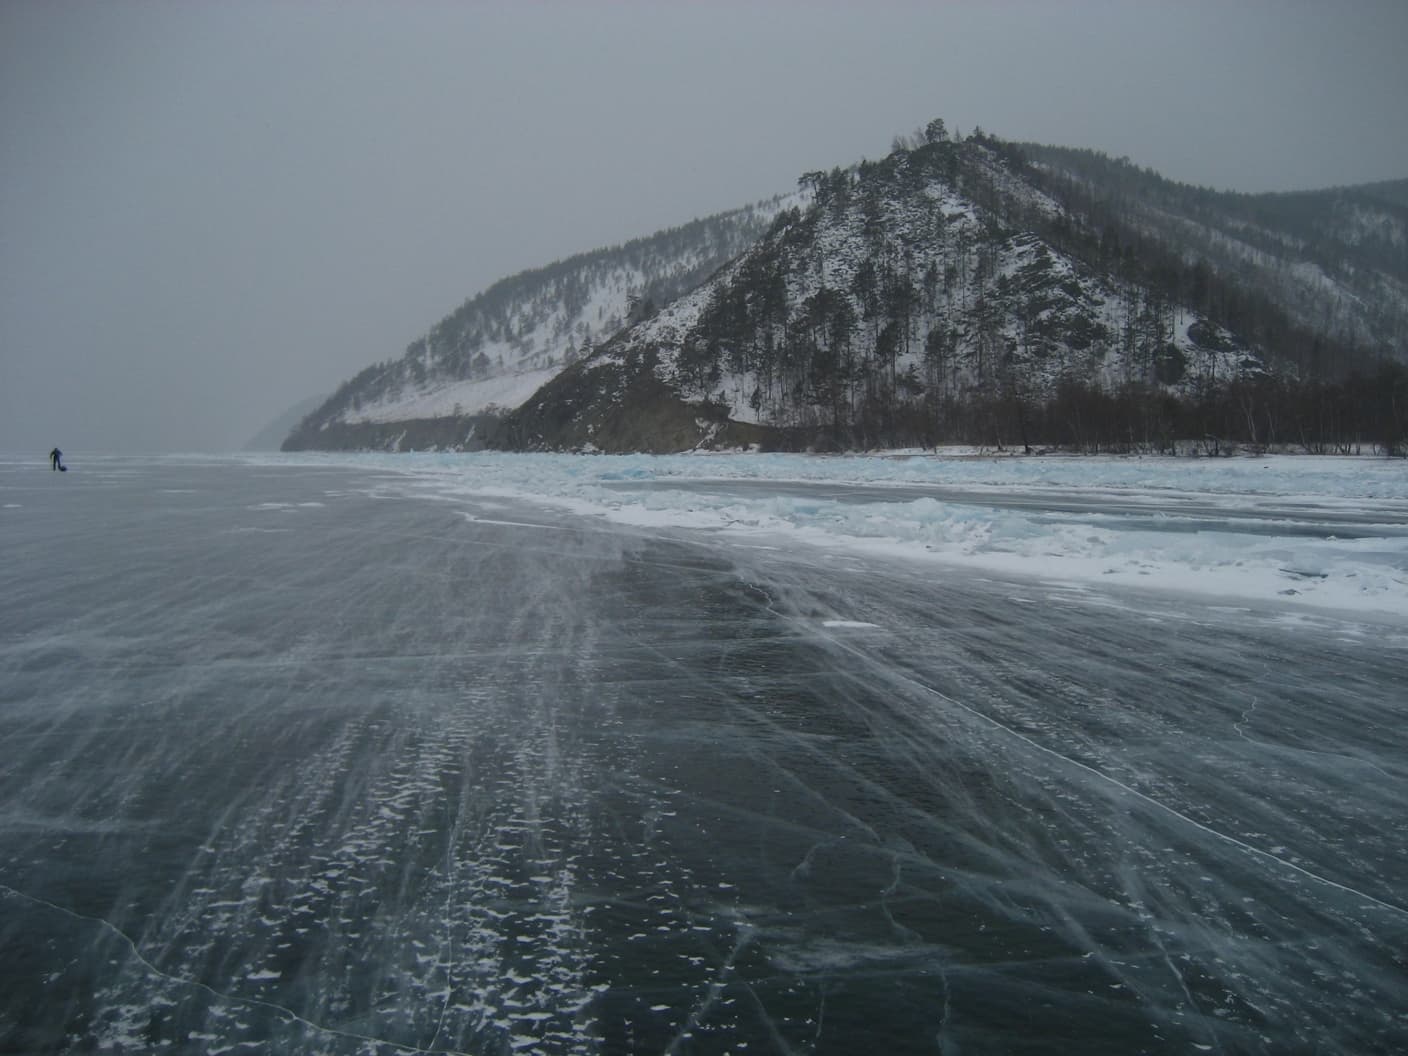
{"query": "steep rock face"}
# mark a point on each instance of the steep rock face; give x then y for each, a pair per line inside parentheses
(904, 295)
(619, 403)
(502, 345)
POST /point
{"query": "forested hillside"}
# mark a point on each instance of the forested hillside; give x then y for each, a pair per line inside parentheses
(960, 290)
(1320, 276)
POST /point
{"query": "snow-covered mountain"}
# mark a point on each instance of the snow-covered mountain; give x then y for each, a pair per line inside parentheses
(961, 289)
(902, 306)
(500, 346)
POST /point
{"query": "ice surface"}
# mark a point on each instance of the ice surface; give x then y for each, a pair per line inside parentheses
(598, 755)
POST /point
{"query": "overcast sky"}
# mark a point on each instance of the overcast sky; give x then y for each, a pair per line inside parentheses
(210, 211)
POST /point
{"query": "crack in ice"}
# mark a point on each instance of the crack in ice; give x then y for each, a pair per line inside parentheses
(1144, 797)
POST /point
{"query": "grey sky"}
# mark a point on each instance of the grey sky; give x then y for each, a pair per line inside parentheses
(209, 211)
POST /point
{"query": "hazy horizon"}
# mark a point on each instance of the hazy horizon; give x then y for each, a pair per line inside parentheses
(211, 212)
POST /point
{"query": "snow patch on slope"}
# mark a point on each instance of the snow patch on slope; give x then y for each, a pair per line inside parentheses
(502, 392)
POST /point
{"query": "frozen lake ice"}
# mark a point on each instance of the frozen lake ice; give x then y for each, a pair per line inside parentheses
(484, 755)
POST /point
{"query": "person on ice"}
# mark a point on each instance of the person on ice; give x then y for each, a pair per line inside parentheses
(56, 460)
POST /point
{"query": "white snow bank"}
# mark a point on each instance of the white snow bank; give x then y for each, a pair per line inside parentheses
(1277, 542)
